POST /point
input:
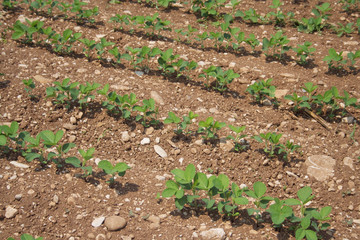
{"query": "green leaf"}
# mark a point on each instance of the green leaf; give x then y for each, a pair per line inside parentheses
(31, 156)
(292, 202)
(67, 146)
(300, 234)
(259, 189)
(180, 203)
(2, 140)
(73, 161)
(169, 192)
(305, 222)
(304, 194)
(310, 235)
(190, 172)
(325, 211)
(106, 166)
(179, 193)
(171, 184)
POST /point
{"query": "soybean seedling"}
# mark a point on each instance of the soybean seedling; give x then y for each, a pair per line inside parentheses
(260, 202)
(82, 164)
(182, 127)
(210, 127)
(149, 113)
(271, 142)
(29, 87)
(119, 169)
(303, 52)
(261, 90)
(238, 138)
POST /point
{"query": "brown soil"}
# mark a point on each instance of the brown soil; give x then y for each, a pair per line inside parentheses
(70, 216)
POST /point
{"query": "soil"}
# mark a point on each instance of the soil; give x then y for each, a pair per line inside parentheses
(57, 204)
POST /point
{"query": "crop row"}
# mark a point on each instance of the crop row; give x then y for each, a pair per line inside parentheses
(197, 191)
(276, 46)
(210, 10)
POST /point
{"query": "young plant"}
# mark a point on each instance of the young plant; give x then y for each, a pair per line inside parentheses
(182, 127)
(288, 148)
(64, 43)
(166, 61)
(352, 58)
(122, 19)
(119, 169)
(341, 29)
(271, 140)
(240, 143)
(261, 201)
(30, 85)
(9, 5)
(303, 52)
(250, 16)
(252, 41)
(26, 236)
(222, 78)
(101, 47)
(83, 16)
(148, 112)
(210, 128)
(262, 90)
(11, 133)
(335, 60)
(64, 92)
(82, 164)
(89, 46)
(300, 102)
(29, 30)
(86, 93)
(276, 41)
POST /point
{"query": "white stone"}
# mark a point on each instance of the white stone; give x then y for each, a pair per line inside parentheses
(145, 141)
(98, 221)
(115, 223)
(160, 151)
(19, 165)
(125, 136)
(212, 234)
(320, 167)
(157, 98)
(10, 212)
(349, 162)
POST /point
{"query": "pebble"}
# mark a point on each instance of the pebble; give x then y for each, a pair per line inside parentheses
(19, 165)
(69, 126)
(72, 120)
(10, 212)
(72, 138)
(199, 142)
(157, 98)
(18, 197)
(115, 223)
(157, 140)
(100, 237)
(160, 151)
(149, 130)
(125, 136)
(154, 219)
(207, 151)
(349, 162)
(193, 150)
(145, 141)
(31, 192)
(97, 221)
(214, 233)
(42, 79)
(139, 73)
(160, 178)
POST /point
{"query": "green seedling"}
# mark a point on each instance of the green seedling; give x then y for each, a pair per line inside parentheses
(82, 164)
(26, 237)
(252, 41)
(188, 33)
(335, 60)
(182, 127)
(352, 58)
(119, 169)
(303, 52)
(166, 61)
(234, 4)
(343, 30)
(30, 85)
(250, 16)
(350, 5)
(64, 43)
(9, 5)
(288, 148)
(85, 94)
(202, 37)
(300, 102)
(89, 46)
(279, 212)
(262, 90)
(101, 47)
(310, 89)
(271, 141)
(222, 78)
(149, 113)
(261, 201)
(10, 133)
(348, 101)
(83, 16)
(64, 92)
(29, 30)
(122, 19)
(210, 128)
(64, 8)
(238, 138)
(165, 3)
(278, 17)
(276, 42)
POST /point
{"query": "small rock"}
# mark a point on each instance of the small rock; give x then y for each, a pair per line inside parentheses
(145, 141)
(69, 126)
(193, 150)
(149, 130)
(97, 72)
(351, 43)
(213, 234)
(42, 79)
(157, 98)
(100, 237)
(91, 235)
(72, 120)
(349, 162)
(199, 142)
(320, 166)
(160, 178)
(139, 73)
(213, 110)
(81, 70)
(348, 120)
(125, 136)
(232, 65)
(267, 102)
(31, 192)
(207, 151)
(72, 138)
(19, 165)
(18, 197)
(154, 225)
(160, 151)
(279, 93)
(287, 75)
(154, 219)
(97, 221)
(48, 104)
(115, 223)
(10, 212)
(56, 199)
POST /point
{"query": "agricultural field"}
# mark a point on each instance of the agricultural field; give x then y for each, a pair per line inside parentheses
(168, 119)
